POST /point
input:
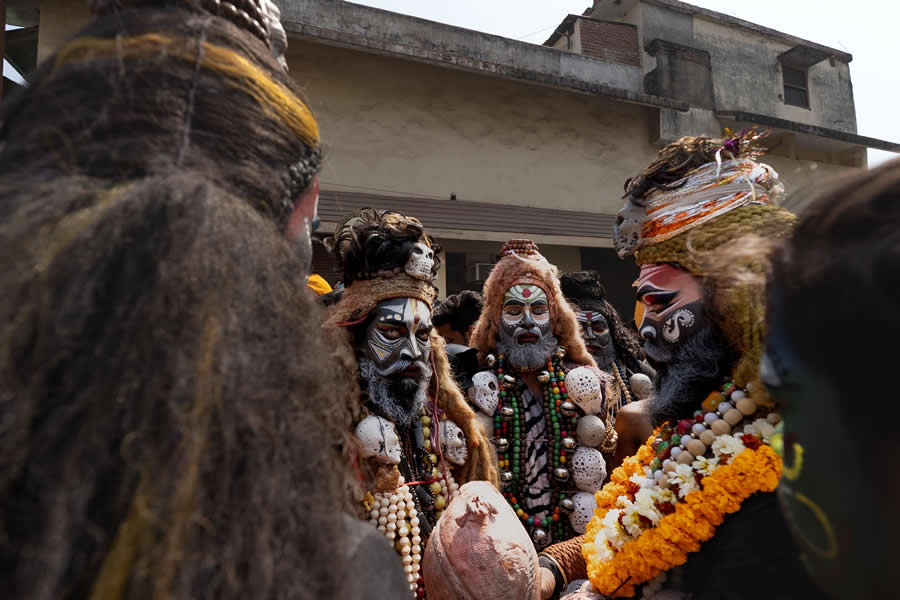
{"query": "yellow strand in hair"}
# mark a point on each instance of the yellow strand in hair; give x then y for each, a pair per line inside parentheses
(241, 74)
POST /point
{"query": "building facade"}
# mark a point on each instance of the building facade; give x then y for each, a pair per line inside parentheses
(486, 138)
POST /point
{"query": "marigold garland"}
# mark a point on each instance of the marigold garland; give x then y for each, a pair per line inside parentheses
(694, 520)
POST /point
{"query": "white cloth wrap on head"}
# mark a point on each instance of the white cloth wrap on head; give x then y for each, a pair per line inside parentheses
(708, 192)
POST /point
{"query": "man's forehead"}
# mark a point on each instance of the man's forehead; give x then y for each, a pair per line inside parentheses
(662, 276)
(525, 293)
(402, 310)
(588, 316)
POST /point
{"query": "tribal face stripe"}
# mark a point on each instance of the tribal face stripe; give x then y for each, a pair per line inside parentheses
(669, 304)
(399, 334)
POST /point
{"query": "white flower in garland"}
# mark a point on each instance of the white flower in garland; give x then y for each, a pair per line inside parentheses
(645, 500)
(613, 532)
(727, 445)
(705, 466)
(764, 428)
(643, 482)
(683, 477)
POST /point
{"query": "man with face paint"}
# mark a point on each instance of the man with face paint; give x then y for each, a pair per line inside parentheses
(417, 435)
(549, 417)
(694, 511)
(833, 314)
(618, 352)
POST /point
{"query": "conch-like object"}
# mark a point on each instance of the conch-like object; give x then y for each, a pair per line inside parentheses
(589, 469)
(585, 504)
(479, 550)
(585, 389)
(641, 385)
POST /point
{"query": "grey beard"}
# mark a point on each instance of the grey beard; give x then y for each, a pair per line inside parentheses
(697, 367)
(527, 356)
(399, 399)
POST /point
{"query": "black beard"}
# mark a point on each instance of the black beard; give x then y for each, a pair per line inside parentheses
(398, 399)
(686, 375)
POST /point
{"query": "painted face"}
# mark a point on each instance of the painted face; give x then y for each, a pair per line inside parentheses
(525, 307)
(838, 509)
(526, 331)
(398, 337)
(596, 336)
(669, 309)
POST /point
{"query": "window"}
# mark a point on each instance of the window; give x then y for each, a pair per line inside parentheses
(795, 87)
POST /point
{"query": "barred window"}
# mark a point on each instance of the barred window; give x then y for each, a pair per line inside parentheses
(796, 92)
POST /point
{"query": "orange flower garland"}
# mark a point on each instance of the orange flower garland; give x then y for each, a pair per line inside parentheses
(693, 521)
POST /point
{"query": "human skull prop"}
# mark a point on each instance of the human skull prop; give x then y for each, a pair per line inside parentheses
(485, 392)
(379, 440)
(641, 385)
(585, 505)
(420, 262)
(453, 442)
(585, 389)
(589, 469)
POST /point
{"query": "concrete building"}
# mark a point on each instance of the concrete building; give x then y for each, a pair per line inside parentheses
(486, 138)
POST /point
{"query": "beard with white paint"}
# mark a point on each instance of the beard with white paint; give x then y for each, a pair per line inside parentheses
(399, 399)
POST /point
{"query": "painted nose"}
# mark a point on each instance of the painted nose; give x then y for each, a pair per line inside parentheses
(589, 334)
(527, 321)
(411, 350)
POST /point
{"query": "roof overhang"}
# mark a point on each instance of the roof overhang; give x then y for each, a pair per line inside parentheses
(457, 219)
(803, 57)
(829, 140)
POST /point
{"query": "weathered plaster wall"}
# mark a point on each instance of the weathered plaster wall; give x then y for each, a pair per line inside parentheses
(758, 87)
(414, 129)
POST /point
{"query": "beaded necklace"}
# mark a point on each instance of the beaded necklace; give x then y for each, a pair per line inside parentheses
(510, 438)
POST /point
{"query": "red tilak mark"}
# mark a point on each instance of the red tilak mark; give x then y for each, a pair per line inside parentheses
(526, 292)
(589, 316)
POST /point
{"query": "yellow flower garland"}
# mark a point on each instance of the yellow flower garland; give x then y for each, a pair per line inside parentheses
(694, 521)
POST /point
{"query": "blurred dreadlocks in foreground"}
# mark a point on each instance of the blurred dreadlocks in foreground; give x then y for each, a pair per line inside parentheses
(165, 431)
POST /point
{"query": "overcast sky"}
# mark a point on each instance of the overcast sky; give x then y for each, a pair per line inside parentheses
(865, 28)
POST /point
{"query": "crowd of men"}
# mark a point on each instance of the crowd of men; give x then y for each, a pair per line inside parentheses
(186, 413)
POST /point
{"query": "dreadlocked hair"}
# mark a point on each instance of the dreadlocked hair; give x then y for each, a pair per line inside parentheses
(143, 92)
(376, 241)
(166, 432)
(583, 290)
(674, 162)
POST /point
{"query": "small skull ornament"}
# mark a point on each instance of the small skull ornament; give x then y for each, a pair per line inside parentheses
(589, 469)
(420, 262)
(585, 504)
(485, 392)
(379, 440)
(585, 389)
(641, 385)
(453, 441)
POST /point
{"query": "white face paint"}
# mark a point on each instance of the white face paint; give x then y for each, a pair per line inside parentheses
(485, 392)
(379, 440)
(398, 338)
(420, 262)
(453, 441)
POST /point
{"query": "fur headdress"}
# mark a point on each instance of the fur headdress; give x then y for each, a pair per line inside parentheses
(520, 262)
(374, 249)
(697, 196)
